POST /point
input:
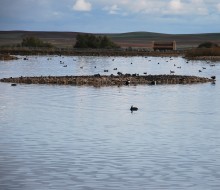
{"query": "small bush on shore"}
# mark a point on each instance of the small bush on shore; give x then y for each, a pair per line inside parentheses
(34, 42)
(92, 41)
(208, 45)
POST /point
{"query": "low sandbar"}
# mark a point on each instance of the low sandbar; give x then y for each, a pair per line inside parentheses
(109, 80)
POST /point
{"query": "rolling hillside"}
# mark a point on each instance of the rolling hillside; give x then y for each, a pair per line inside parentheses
(132, 39)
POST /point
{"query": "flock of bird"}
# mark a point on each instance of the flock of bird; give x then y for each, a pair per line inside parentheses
(128, 82)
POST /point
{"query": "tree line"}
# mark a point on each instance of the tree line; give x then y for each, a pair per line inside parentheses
(82, 41)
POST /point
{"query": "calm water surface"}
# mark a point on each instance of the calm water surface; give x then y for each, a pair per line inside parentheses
(84, 138)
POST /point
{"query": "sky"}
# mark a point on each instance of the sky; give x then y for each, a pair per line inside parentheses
(111, 16)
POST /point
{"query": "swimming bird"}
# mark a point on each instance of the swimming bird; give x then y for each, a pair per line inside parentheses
(172, 72)
(213, 77)
(119, 73)
(200, 71)
(133, 108)
(13, 84)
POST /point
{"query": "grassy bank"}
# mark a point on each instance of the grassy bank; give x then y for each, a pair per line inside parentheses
(204, 53)
(86, 52)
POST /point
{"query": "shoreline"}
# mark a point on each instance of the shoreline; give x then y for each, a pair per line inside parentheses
(89, 52)
(111, 80)
(10, 54)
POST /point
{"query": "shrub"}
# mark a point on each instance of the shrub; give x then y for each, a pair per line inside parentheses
(208, 45)
(34, 42)
(92, 41)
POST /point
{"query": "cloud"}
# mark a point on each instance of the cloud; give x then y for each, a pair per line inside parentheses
(112, 9)
(176, 5)
(82, 5)
(159, 7)
(218, 7)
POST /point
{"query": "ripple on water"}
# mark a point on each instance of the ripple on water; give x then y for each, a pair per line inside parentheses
(67, 137)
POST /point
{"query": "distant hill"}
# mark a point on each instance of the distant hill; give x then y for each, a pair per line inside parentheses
(131, 39)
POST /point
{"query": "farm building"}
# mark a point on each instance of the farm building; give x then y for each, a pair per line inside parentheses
(163, 46)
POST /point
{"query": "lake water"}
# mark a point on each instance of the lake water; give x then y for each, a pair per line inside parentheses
(83, 138)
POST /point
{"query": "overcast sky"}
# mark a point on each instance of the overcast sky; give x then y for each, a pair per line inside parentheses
(111, 16)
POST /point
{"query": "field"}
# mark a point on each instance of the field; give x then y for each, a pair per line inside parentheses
(125, 40)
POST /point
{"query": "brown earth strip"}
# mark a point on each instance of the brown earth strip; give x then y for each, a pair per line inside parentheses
(112, 80)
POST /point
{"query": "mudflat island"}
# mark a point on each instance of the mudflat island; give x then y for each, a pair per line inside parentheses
(110, 80)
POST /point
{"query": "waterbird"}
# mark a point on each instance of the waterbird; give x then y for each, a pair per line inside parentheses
(127, 82)
(65, 66)
(200, 71)
(153, 82)
(81, 67)
(105, 70)
(203, 67)
(13, 84)
(119, 73)
(97, 75)
(133, 108)
(213, 77)
(115, 69)
(172, 72)
(145, 73)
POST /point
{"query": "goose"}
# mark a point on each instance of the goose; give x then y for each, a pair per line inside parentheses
(133, 108)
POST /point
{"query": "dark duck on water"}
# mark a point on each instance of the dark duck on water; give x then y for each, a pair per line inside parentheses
(133, 108)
